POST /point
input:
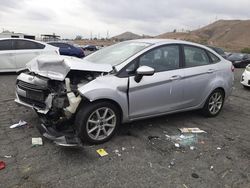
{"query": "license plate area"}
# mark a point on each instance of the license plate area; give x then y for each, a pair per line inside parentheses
(35, 95)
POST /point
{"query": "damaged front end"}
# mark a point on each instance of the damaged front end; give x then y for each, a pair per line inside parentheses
(55, 101)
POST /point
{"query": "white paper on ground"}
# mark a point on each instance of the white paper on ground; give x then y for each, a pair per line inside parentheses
(191, 130)
(19, 124)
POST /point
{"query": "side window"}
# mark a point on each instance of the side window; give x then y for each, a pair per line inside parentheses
(6, 45)
(214, 58)
(162, 59)
(27, 45)
(195, 56)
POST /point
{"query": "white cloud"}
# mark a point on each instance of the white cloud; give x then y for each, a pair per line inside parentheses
(69, 18)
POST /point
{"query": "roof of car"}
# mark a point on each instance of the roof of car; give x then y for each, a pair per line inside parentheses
(165, 41)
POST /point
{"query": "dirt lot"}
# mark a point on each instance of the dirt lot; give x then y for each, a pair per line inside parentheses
(146, 158)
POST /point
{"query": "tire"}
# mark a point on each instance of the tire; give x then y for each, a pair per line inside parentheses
(211, 107)
(91, 125)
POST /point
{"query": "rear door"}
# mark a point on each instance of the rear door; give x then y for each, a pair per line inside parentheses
(161, 92)
(200, 71)
(7, 57)
(25, 51)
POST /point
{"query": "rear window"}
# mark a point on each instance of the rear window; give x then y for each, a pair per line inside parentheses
(27, 45)
(6, 45)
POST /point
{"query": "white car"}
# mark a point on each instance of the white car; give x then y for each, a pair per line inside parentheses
(16, 52)
(245, 79)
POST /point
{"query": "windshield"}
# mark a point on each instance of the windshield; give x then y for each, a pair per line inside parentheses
(117, 53)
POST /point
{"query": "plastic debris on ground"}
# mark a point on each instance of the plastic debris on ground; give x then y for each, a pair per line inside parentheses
(2, 165)
(19, 124)
(7, 156)
(102, 152)
(117, 153)
(37, 141)
(191, 130)
(218, 148)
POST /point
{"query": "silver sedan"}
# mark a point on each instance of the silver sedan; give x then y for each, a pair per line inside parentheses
(125, 82)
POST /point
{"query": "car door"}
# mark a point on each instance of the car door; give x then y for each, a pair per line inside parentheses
(7, 57)
(25, 51)
(161, 92)
(200, 71)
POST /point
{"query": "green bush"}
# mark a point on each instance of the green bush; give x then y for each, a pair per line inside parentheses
(245, 50)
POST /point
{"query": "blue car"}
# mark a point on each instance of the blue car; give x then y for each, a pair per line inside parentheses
(68, 49)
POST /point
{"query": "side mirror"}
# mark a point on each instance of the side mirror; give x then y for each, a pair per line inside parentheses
(143, 71)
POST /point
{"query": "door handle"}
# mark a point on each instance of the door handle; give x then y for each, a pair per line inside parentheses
(175, 77)
(210, 71)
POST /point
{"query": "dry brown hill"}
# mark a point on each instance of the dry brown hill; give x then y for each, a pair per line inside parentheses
(126, 36)
(229, 34)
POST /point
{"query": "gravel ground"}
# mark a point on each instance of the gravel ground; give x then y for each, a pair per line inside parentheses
(146, 157)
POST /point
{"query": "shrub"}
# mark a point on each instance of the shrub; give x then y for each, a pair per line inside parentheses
(245, 50)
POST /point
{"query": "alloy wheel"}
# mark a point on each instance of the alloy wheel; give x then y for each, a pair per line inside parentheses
(215, 103)
(101, 123)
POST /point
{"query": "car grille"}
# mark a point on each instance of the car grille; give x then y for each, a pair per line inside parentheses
(35, 95)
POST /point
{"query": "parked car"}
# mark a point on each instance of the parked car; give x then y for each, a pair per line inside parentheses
(220, 51)
(68, 49)
(124, 82)
(239, 60)
(91, 48)
(15, 53)
(245, 79)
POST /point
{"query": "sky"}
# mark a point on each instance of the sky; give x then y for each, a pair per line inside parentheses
(69, 18)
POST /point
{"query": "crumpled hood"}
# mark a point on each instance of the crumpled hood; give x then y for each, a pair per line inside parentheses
(56, 67)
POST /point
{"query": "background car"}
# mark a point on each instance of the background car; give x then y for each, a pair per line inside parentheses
(220, 51)
(124, 82)
(239, 60)
(15, 53)
(245, 79)
(68, 49)
(91, 48)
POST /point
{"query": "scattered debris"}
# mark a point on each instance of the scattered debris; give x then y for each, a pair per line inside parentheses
(117, 153)
(211, 167)
(177, 145)
(153, 137)
(191, 130)
(2, 165)
(133, 147)
(19, 124)
(150, 164)
(184, 186)
(102, 152)
(224, 174)
(218, 148)
(192, 147)
(37, 141)
(123, 148)
(7, 156)
(194, 175)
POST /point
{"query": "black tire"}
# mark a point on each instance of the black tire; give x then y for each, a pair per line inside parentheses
(206, 109)
(85, 112)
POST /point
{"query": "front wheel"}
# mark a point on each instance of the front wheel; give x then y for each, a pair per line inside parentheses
(214, 103)
(97, 122)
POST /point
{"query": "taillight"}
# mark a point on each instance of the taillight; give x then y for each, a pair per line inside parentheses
(232, 68)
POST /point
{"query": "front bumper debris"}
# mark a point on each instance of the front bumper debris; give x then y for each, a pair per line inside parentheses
(59, 138)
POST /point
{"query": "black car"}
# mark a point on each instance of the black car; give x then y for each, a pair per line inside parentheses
(219, 51)
(91, 48)
(68, 49)
(239, 60)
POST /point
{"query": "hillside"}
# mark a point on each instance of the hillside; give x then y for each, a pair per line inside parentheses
(126, 36)
(229, 34)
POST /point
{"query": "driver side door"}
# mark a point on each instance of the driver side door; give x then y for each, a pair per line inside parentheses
(161, 92)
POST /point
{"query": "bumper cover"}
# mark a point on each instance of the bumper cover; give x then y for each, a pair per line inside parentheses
(59, 138)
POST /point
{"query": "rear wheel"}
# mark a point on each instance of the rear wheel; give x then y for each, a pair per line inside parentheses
(214, 103)
(97, 122)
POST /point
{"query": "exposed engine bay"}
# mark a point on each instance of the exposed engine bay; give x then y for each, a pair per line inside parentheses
(54, 101)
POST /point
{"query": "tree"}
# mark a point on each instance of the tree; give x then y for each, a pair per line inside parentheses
(78, 37)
